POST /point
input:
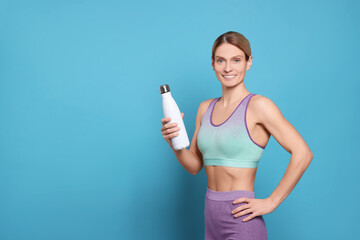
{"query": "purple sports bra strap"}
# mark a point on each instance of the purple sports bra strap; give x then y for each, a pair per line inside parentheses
(244, 104)
(237, 115)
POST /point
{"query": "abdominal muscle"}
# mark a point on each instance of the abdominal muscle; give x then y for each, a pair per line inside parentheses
(222, 178)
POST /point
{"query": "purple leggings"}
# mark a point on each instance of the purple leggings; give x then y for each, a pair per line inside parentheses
(220, 224)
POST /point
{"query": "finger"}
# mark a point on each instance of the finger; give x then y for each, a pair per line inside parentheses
(171, 130)
(182, 114)
(240, 200)
(168, 125)
(249, 217)
(243, 213)
(241, 208)
(166, 119)
(171, 135)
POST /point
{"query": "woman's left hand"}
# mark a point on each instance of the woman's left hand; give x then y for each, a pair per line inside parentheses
(255, 206)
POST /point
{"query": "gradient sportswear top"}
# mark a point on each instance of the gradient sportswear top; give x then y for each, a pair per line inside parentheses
(229, 143)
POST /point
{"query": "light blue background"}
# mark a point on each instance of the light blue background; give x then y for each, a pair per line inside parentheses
(81, 152)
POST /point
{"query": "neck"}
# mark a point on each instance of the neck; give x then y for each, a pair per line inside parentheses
(233, 95)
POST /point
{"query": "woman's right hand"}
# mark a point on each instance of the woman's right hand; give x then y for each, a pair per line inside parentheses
(169, 130)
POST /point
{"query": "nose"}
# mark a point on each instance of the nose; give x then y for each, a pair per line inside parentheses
(227, 67)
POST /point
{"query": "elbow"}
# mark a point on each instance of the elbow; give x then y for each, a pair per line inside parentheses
(198, 164)
(306, 153)
(304, 157)
(311, 156)
(194, 173)
(308, 156)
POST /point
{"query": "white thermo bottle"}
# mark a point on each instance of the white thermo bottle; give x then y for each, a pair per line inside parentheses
(171, 110)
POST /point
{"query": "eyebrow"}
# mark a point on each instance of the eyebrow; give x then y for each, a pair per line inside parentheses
(232, 57)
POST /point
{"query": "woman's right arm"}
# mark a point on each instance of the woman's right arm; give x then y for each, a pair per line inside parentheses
(190, 159)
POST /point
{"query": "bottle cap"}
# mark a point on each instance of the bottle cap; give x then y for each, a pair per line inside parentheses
(164, 88)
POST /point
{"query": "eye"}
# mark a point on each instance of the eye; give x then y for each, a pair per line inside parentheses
(219, 60)
(237, 60)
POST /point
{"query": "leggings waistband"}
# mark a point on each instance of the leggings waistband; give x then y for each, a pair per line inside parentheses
(228, 195)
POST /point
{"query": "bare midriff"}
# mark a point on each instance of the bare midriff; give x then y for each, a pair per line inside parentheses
(222, 178)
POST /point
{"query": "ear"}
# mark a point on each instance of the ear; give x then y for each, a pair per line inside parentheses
(249, 63)
(212, 64)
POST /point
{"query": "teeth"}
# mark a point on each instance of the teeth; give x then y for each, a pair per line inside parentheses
(232, 76)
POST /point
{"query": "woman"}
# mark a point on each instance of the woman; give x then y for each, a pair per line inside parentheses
(231, 133)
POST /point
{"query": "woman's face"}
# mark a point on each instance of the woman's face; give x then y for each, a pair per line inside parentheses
(230, 65)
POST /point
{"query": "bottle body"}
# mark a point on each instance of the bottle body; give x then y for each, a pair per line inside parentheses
(171, 109)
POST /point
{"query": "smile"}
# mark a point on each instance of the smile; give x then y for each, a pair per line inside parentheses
(229, 76)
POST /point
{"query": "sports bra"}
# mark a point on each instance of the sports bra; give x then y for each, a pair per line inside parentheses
(229, 143)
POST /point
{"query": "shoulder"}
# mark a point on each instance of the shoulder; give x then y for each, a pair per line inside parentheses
(263, 107)
(261, 101)
(203, 106)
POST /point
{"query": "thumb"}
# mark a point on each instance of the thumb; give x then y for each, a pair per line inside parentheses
(182, 114)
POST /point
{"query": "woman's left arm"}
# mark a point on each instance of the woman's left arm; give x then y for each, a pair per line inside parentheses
(287, 136)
